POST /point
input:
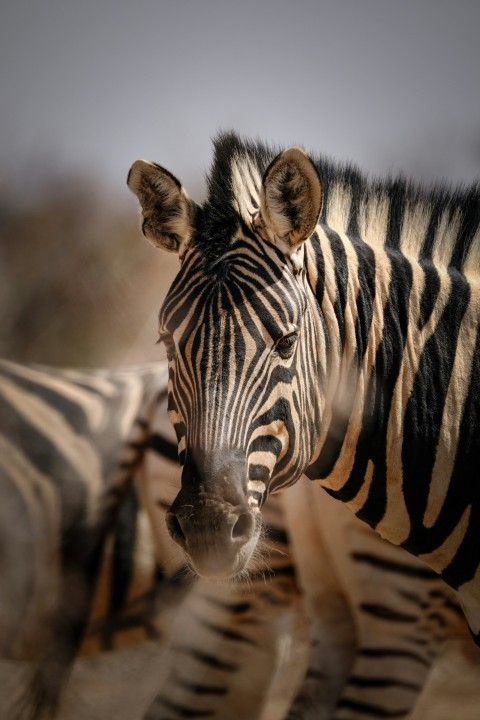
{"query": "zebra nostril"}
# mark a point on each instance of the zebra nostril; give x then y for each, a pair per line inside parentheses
(175, 529)
(243, 526)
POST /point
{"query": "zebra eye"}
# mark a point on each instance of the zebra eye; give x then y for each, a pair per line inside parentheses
(285, 345)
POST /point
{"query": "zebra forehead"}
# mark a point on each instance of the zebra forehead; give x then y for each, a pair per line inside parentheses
(224, 294)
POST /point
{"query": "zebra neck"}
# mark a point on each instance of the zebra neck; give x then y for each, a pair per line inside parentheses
(395, 440)
(355, 297)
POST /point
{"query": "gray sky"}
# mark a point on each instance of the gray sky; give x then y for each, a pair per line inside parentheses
(90, 85)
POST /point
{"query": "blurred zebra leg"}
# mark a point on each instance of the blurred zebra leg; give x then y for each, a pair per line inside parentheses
(401, 610)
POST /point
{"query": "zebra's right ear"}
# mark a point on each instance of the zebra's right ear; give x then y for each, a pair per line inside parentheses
(166, 209)
(291, 199)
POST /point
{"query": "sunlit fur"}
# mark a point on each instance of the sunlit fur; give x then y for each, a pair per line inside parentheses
(379, 400)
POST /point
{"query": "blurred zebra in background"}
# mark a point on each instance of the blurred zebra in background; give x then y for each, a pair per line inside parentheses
(85, 569)
(87, 472)
(70, 444)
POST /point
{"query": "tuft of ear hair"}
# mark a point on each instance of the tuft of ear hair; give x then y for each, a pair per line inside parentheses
(291, 197)
(166, 208)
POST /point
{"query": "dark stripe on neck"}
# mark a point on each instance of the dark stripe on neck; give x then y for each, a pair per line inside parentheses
(340, 269)
(372, 440)
(356, 188)
(366, 296)
(430, 293)
(464, 487)
(422, 424)
(397, 195)
(468, 227)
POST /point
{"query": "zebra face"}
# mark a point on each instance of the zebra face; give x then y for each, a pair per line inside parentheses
(243, 348)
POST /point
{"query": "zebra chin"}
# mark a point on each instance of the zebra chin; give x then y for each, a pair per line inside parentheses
(223, 566)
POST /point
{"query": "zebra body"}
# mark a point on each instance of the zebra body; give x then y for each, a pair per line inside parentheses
(325, 324)
(69, 447)
(86, 475)
(221, 649)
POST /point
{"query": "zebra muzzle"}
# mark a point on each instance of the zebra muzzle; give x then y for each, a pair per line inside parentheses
(217, 540)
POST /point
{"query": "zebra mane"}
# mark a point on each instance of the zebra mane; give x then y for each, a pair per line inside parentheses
(438, 223)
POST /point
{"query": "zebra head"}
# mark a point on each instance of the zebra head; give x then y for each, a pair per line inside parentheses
(246, 352)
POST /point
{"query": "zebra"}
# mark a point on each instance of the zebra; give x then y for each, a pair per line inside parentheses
(223, 643)
(70, 442)
(80, 460)
(327, 324)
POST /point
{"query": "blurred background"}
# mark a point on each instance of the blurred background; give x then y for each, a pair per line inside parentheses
(87, 87)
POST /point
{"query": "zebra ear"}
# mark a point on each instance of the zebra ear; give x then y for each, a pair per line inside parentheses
(166, 209)
(291, 198)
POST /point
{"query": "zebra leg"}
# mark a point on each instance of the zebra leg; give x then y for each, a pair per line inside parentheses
(332, 633)
(46, 589)
(53, 666)
(330, 656)
(403, 612)
(453, 688)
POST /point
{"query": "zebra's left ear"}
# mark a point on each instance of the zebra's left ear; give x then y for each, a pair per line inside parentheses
(291, 198)
(166, 209)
